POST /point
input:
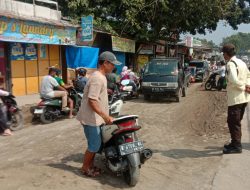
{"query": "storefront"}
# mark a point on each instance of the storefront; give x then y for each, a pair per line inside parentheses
(124, 50)
(29, 49)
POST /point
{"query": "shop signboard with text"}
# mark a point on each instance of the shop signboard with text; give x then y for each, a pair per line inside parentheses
(33, 32)
(87, 28)
(146, 49)
(123, 44)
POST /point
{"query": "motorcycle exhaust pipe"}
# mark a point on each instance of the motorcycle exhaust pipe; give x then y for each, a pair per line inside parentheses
(145, 155)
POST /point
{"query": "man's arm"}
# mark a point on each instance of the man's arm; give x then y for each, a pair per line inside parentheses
(96, 107)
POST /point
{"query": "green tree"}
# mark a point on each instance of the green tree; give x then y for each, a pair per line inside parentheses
(157, 19)
(240, 40)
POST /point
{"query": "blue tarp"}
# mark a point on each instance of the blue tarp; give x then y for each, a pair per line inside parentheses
(81, 57)
(120, 57)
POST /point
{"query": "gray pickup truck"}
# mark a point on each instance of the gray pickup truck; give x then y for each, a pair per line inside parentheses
(165, 77)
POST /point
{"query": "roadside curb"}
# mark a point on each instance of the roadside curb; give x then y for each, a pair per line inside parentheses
(234, 170)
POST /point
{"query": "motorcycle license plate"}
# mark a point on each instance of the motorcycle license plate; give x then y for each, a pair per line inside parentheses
(38, 111)
(129, 148)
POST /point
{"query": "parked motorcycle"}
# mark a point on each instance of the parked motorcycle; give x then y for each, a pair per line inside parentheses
(124, 152)
(127, 89)
(49, 110)
(115, 102)
(212, 83)
(14, 113)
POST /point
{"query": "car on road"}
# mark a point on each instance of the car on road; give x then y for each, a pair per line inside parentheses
(200, 68)
(164, 77)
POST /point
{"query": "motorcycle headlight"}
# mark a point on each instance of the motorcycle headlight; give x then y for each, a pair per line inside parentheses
(145, 83)
(172, 84)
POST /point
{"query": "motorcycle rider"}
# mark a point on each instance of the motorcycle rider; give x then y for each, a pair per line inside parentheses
(113, 79)
(81, 80)
(222, 72)
(48, 85)
(94, 110)
(4, 128)
(66, 87)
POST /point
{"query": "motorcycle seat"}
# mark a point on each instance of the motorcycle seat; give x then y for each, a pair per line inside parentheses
(123, 118)
(43, 98)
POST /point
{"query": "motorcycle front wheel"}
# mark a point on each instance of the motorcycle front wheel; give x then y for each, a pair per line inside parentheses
(132, 175)
(208, 86)
(16, 121)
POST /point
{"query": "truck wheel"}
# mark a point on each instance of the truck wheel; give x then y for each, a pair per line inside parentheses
(147, 97)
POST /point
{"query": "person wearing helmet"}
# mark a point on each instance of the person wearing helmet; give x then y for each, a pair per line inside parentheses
(81, 80)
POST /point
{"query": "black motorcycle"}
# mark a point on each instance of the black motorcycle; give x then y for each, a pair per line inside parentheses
(14, 113)
(212, 83)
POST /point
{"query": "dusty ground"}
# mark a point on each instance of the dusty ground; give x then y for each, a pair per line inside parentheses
(186, 139)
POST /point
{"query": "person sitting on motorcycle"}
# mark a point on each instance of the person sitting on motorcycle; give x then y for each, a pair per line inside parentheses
(81, 80)
(125, 73)
(222, 72)
(66, 87)
(48, 85)
(133, 80)
(4, 128)
(113, 79)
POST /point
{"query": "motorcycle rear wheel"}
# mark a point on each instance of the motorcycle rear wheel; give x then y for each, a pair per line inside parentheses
(16, 121)
(132, 175)
(46, 117)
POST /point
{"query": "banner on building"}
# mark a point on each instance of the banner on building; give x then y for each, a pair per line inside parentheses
(42, 50)
(82, 57)
(33, 32)
(189, 41)
(160, 49)
(123, 44)
(146, 49)
(87, 28)
(142, 59)
(17, 51)
(30, 52)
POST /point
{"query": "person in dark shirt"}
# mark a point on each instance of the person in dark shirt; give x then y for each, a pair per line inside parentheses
(113, 79)
(81, 80)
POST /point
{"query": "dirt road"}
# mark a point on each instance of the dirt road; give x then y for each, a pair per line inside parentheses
(186, 139)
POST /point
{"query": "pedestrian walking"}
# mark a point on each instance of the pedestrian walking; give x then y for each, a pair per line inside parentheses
(238, 81)
(94, 110)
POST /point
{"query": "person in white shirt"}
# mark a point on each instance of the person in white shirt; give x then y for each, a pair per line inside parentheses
(48, 86)
(238, 95)
(222, 72)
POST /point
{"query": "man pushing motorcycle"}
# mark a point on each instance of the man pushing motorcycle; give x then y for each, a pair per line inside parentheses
(94, 110)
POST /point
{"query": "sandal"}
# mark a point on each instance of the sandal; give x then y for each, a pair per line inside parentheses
(91, 173)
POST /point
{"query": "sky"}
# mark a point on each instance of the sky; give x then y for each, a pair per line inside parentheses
(223, 31)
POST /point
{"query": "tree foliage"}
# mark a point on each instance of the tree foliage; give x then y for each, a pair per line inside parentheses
(157, 19)
(240, 40)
